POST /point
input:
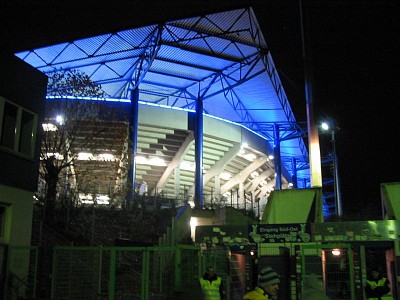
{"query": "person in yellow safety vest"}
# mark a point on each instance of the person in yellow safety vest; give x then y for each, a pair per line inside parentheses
(211, 285)
(377, 285)
(267, 288)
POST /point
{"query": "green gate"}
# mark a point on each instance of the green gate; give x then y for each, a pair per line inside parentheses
(332, 264)
(125, 272)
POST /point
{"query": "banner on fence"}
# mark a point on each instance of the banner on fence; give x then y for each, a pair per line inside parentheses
(280, 233)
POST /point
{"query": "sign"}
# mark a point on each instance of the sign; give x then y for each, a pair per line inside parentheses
(280, 233)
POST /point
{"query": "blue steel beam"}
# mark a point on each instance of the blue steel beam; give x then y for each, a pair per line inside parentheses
(133, 134)
(198, 135)
(277, 158)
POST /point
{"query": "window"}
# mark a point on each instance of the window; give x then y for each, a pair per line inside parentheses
(17, 128)
(26, 133)
(9, 125)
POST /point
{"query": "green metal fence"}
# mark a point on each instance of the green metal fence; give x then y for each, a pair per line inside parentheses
(334, 270)
(125, 272)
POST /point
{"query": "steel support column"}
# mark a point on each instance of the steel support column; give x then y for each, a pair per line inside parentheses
(294, 172)
(277, 158)
(133, 134)
(198, 136)
(304, 183)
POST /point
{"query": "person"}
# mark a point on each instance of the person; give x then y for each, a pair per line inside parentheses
(377, 285)
(343, 276)
(143, 189)
(313, 289)
(211, 285)
(267, 287)
(142, 194)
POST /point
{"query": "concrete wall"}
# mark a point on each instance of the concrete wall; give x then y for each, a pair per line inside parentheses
(18, 216)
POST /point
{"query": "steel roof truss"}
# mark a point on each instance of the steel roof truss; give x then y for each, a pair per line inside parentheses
(228, 34)
(171, 74)
(235, 67)
(239, 108)
(202, 51)
(146, 59)
(187, 64)
(276, 83)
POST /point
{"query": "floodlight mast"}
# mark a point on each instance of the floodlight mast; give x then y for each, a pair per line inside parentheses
(338, 196)
(313, 137)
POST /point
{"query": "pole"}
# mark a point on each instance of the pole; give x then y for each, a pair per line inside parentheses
(313, 138)
(294, 173)
(338, 198)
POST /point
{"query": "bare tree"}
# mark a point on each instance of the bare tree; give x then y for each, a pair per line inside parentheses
(73, 124)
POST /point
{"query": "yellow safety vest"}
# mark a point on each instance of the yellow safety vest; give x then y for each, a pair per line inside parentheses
(211, 289)
(374, 284)
(256, 294)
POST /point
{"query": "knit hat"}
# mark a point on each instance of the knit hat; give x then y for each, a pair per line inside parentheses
(268, 276)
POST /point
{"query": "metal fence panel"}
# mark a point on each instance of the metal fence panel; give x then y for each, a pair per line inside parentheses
(77, 274)
(128, 274)
(125, 272)
(335, 272)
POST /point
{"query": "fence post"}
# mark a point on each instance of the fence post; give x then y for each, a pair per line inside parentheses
(111, 283)
(178, 258)
(145, 275)
(53, 274)
(36, 270)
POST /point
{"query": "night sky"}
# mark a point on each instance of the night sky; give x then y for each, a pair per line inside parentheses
(355, 61)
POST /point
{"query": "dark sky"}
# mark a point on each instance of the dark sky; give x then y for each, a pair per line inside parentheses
(354, 49)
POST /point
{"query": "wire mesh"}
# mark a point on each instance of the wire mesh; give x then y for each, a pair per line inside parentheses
(125, 273)
(333, 267)
(77, 274)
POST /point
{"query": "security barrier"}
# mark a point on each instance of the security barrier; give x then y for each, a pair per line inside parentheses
(172, 272)
(335, 271)
(331, 267)
(125, 272)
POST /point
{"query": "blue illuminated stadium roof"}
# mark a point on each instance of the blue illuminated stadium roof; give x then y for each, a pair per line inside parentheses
(221, 57)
